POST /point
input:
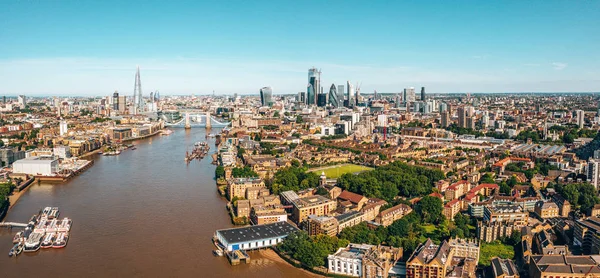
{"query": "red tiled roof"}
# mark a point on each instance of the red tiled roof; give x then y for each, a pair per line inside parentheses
(451, 203)
(352, 197)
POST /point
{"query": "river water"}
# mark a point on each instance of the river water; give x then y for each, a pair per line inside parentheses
(144, 213)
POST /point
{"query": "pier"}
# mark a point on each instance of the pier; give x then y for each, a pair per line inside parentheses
(13, 224)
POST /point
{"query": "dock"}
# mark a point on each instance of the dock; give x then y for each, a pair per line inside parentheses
(13, 224)
(237, 256)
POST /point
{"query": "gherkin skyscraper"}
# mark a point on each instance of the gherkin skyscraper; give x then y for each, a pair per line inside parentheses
(333, 96)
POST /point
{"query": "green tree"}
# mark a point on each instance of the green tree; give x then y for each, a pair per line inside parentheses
(220, 172)
(430, 209)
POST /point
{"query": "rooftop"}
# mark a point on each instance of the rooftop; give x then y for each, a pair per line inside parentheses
(257, 232)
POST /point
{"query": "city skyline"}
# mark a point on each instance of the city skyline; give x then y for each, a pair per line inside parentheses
(93, 48)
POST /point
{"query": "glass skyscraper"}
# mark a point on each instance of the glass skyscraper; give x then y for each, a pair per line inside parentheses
(350, 95)
(313, 88)
(333, 96)
(266, 96)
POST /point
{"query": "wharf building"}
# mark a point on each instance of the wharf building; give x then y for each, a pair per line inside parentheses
(454, 258)
(254, 237)
(312, 205)
(363, 260)
(237, 187)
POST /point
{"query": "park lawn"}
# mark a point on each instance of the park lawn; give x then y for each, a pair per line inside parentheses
(335, 172)
(495, 249)
(429, 228)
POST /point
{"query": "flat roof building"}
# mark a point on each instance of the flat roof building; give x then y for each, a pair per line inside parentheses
(254, 237)
(37, 165)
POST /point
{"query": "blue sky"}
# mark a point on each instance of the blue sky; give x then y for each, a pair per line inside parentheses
(92, 47)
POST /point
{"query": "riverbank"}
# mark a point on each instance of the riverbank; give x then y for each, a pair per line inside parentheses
(273, 256)
(90, 153)
(15, 196)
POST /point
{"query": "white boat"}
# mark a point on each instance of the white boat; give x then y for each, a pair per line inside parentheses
(41, 226)
(48, 240)
(65, 225)
(52, 226)
(33, 242)
(46, 211)
(54, 213)
(61, 240)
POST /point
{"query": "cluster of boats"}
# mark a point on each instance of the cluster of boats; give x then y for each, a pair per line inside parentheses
(200, 150)
(44, 230)
(117, 150)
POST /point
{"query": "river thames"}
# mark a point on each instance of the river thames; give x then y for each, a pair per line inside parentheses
(144, 213)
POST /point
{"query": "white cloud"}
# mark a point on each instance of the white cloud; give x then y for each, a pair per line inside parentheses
(559, 65)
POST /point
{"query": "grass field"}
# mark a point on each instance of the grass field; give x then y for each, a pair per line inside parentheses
(496, 249)
(334, 172)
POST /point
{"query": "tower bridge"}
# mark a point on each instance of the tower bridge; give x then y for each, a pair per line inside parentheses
(191, 118)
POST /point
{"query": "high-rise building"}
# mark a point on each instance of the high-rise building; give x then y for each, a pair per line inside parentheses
(22, 101)
(593, 172)
(138, 101)
(342, 92)
(115, 101)
(266, 96)
(443, 107)
(333, 96)
(321, 100)
(314, 86)
(470, 122)
(409, 94)
(580, 116)
(350, 95)
(423, 93)
(445, 120)
(301, 97)
(462, 117)
(63, 128)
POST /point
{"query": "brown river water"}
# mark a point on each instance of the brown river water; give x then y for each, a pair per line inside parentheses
(144, 213)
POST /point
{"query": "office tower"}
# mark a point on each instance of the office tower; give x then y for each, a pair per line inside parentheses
(157, 96)
(445, 120)
(314, 86)
(138, 101)
(301, 97)
(342, 92)
(462, 115)
(409, 94)
(115, 101)
(593, 172)
(580, 116)
(470, 122)
(423, 93)
(63, 128)
(350, 95)
(427, 107)
(333, 96)
(266, 96)
(122, 104)
(398, 100)
(485, 119)
(22, 101)
(443, 107)
(321, 100)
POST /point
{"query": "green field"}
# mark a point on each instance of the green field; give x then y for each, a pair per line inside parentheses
(334, 172)
(495, 249)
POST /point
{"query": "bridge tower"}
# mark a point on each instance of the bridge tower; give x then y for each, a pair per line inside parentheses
(187, 121)
(208, 123)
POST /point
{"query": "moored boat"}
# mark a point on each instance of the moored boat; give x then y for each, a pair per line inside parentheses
(61, 240)
(18, 237)
(48, 240)
(33, 242)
